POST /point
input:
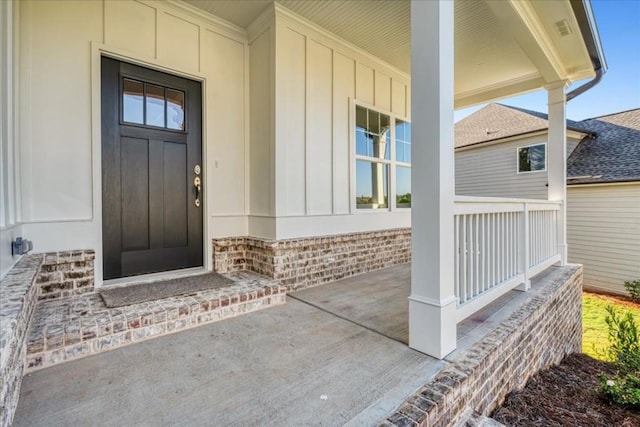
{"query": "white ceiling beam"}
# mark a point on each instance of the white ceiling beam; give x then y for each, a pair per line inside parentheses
(484, 95)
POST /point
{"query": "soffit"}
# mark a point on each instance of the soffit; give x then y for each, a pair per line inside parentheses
(570, 47)
(497, 52)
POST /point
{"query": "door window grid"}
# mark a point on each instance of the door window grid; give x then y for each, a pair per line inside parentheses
(152, 105)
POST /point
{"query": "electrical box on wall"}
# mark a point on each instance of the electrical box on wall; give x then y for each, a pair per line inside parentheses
(21, 246)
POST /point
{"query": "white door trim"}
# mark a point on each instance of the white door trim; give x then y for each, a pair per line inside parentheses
(97, 51)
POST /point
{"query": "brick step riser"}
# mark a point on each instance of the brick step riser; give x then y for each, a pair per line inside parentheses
(132, 335)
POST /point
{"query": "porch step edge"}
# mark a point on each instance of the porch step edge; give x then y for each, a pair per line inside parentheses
(137, 332)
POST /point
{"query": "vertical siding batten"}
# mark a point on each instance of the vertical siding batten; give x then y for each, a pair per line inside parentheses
(345, 74)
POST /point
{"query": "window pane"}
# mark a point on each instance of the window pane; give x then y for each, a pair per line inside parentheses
(372, 184)
(155, 105)
(403, 141)
(385, 136)
(403, 187)
(132, 99)
(361, 118)
(175, 109)
(531, 158)
(374, 122)
(372, 134)
(363, 142)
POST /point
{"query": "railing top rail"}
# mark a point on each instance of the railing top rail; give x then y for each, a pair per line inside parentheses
(503, 200)
(481, 205)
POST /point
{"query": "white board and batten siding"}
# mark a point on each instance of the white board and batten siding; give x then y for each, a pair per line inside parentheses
(318, 79)
(10, 183)
(603, 232)
(60, 128)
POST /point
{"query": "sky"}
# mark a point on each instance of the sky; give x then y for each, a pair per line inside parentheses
(618, 23)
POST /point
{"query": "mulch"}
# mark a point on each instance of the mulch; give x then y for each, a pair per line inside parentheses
(615, 299)
(565, 395)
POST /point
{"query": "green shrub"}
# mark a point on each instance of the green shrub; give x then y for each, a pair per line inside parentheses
(624, 347)
(623, 391)
(633, 287)
(624, 350)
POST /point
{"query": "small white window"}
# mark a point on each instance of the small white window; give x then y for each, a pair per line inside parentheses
(532, 158)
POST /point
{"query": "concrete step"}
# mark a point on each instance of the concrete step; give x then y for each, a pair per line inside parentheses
(81, 325)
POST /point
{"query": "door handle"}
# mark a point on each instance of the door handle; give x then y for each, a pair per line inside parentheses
(196, 184)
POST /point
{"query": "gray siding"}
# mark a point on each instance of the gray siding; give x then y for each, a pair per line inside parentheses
(603, 233)
(490, 171)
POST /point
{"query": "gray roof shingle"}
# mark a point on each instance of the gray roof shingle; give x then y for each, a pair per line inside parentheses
(497, 121)
(610, 151)
(612, 154)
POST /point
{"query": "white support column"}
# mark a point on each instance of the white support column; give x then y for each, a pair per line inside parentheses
(557, 160)
(432, 304)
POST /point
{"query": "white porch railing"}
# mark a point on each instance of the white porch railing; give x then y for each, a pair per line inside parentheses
(499, 245)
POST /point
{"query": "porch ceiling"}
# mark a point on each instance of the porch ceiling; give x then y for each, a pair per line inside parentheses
(502, 47)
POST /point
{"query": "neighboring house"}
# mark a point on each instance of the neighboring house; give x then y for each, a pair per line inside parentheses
(501, 152)
(228, 135)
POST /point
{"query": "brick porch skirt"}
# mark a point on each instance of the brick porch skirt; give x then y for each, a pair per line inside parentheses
(310, 261)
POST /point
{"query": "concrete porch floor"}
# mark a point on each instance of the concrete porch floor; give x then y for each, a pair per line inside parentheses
(331, 355)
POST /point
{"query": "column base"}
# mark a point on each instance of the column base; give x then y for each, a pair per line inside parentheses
(524, 286)
(432, 326)
(563, 250)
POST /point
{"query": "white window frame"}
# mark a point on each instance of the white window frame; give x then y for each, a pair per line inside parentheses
(392, 162)
(518, 171)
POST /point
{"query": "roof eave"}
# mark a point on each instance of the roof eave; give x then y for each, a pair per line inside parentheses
(589, 30)
(586, 134)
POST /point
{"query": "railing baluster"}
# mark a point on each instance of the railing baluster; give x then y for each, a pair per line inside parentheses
(476, 281)
(510, 238)
(485, 252)
(507, 237)
(537, 241)
(470, 256)
(509, 243)
(514, 241)
(499, 252)
(463, 273)
(543, 256)
(494, 250)
(456, 256)
(501, 255)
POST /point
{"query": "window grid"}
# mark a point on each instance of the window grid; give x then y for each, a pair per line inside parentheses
(396, 160)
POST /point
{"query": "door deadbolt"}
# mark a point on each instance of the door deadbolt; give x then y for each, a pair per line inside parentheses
(196, 169)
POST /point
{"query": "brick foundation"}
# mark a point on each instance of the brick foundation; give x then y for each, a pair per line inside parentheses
(63, 274)
(539, 334)
(17, 305)
(300, 263)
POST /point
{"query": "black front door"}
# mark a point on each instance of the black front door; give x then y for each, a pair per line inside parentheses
(151, 171)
